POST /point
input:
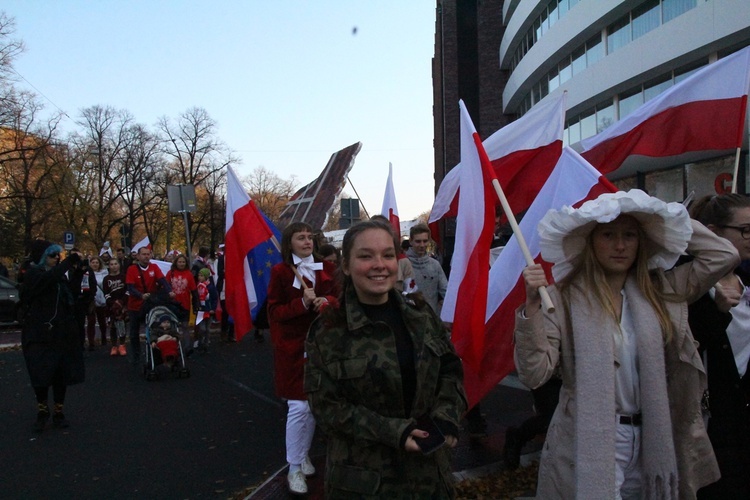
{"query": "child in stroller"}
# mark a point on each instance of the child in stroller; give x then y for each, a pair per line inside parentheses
(162, 337)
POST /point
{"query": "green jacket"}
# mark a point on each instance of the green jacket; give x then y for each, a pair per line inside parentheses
(353, 384)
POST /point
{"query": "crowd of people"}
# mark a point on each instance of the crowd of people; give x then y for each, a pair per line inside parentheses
(639, 371)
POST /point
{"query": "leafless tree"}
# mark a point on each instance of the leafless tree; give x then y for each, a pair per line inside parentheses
(30, 168)
(194, 152)
(99, 168)
(269, 191)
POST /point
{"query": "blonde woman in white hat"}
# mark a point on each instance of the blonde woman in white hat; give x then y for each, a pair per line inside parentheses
(629, 422)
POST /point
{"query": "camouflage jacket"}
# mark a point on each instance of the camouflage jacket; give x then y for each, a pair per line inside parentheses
(353, 384)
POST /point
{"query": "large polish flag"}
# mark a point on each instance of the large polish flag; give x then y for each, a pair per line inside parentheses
(466, 297)
(390, 209)
(704, 112)
(572, 182)
(522, 153)
(249, 255)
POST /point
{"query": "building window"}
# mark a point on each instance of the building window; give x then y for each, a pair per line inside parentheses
(673, 8)
(579, 59)
(574, 131)
(588, 124)
(618, 34)
(629, 102)
(594, 49)
(605, 116)
(656, 86)
(646, 18)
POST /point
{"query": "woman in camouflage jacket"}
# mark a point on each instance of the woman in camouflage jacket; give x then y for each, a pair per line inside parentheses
(375, 365)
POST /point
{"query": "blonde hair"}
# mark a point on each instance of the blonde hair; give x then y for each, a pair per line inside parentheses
(593, 282)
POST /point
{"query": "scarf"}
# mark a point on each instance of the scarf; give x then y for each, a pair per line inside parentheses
(306, 268)
(595, 399)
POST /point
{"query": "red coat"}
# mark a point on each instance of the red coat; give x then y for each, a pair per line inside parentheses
(289, 320)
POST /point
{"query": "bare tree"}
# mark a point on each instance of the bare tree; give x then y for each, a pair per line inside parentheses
(142, 187)
(100, 152)
(30, 168)
(195, 153)
(10, 48)
(269, 191)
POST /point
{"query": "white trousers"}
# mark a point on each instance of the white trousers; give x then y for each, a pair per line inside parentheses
(627, 462)
(300, 429)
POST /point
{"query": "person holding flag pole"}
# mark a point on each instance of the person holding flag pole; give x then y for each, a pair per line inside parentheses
(299, 289)
(628, 424)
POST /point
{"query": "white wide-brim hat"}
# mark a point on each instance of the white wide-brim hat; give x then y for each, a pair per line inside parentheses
(563, 232)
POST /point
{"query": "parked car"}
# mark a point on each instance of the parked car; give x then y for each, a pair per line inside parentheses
(8, 301)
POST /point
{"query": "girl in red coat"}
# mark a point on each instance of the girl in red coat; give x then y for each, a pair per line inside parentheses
(299, 288)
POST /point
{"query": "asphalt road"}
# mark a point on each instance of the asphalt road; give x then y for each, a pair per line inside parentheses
(207, 436)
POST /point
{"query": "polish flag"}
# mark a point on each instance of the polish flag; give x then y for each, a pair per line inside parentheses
(249, 255)
(466, 297)
(390, 209)
(572, 182)
(703, 113)
(145, 242)
(522, 153)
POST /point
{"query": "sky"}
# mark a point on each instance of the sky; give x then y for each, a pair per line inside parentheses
(289, 82)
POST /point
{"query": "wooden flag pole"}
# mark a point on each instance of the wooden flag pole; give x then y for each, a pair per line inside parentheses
(299, 276)
(736, 170)
(546, 300)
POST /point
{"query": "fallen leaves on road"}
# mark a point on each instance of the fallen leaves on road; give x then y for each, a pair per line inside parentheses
(501, 485)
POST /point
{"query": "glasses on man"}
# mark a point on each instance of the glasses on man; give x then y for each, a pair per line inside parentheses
(744, 230)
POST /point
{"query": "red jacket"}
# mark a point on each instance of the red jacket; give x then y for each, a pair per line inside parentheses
(289, 320)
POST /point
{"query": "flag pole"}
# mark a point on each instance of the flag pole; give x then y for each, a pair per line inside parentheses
(546, 300)
(358, 198)
(299, 276)
(736, 170)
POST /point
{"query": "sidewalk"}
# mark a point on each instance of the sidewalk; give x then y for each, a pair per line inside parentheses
(508, 404)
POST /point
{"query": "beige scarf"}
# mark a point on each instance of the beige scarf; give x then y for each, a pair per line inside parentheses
(595, 385)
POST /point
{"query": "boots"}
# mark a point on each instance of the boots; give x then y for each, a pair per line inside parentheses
(58, 418)
(41, 417)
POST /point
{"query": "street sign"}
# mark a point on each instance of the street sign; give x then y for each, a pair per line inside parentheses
(69, 240)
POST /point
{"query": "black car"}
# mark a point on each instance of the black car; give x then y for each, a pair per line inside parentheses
(8, 301)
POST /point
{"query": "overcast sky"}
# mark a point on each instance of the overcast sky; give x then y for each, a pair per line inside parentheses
(288, 81)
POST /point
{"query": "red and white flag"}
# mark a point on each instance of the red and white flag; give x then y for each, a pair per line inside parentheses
(145, 242)
(705, 112)
(572, 182)
(390, 209)
(522, 153)
(466, 298)
(246, 275)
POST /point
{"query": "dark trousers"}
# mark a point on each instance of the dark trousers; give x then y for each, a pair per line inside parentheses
(135, 318)
(98, 316)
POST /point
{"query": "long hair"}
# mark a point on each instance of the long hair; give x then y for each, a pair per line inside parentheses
(178, 257)
(589, 278)
(718, 209)
(286, 239)
(102, 267)
(335, 316)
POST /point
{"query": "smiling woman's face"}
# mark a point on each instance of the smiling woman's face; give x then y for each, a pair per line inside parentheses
(372, 265)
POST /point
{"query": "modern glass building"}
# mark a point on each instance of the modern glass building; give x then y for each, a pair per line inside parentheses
(611, 56)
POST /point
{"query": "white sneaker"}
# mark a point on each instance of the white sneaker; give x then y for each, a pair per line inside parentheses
(308, 469)
(297, 483)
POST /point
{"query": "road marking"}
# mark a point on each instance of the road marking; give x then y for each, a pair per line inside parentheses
(253, 392)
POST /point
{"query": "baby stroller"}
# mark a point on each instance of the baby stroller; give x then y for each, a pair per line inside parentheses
(163, 347)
